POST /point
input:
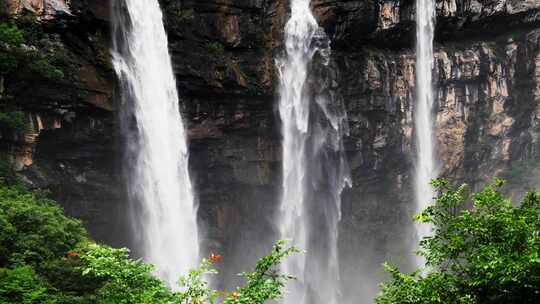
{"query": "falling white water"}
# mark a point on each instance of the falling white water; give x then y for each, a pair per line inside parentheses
(313, 163)
(159, 185)
(423, 121)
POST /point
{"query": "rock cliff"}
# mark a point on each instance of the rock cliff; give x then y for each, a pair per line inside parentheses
(487, 79)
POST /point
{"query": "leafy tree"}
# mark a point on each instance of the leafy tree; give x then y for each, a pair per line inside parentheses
(125, 280)
(21, 285)
(47, 257)
(128, 281)
(489, 254)
(35, 239)
(266, 282)
(35, 229)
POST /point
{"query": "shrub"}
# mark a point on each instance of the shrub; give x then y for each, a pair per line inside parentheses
(21, 285)
(13, 120)
(490, 254)
(46, 257)
(36, 229)
(42, 66)
(128, 281)
(266, 282)
(10, 34)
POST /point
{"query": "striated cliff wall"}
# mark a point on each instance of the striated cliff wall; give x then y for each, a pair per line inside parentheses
(487, 77)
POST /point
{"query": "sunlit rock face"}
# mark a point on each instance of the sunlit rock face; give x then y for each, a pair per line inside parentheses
(44, 10)
(486, 78)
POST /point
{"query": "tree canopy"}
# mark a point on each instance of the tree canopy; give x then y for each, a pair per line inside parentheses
(489, 253)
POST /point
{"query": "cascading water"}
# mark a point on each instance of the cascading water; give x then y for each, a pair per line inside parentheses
(159, 185)
(423, 121)
(314, 166)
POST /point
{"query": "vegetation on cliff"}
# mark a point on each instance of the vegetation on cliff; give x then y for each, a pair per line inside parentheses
(13, 120)
(487, 254)
(18, 51)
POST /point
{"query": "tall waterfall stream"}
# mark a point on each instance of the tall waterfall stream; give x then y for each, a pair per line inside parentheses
(426, 168)
(314, 167)
(163, 211)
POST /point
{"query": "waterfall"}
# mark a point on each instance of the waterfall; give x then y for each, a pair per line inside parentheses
(163, 212)
(313, 165)
(423, 122)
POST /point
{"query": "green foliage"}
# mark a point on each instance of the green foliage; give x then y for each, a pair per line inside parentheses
(14, 120)
(195, 286)
(490, 254)
(36, 229)
(215, 48)
(266, 282)
(42, 66)
(21, 285)
(11, 38)
(13, 55)
(46, 257)
(435, 287)
(35, 238)
(8, 63)
(10, 34)
(126, 280)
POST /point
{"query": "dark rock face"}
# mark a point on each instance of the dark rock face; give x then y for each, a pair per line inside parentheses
(487, 78)
(71, 147)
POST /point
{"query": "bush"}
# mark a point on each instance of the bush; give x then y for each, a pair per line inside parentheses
(21, 285)
(46, 257)
(42, 66)
(128, 281)
(13, 120)
(266, 282)
(11, 35)
(37, 230)
(490, 254)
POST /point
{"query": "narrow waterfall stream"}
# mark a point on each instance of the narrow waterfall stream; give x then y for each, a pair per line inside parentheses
(314, 167)
(426, 168)
(163, 212)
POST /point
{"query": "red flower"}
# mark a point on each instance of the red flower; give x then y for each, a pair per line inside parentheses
(71, 254)
(214, 258)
